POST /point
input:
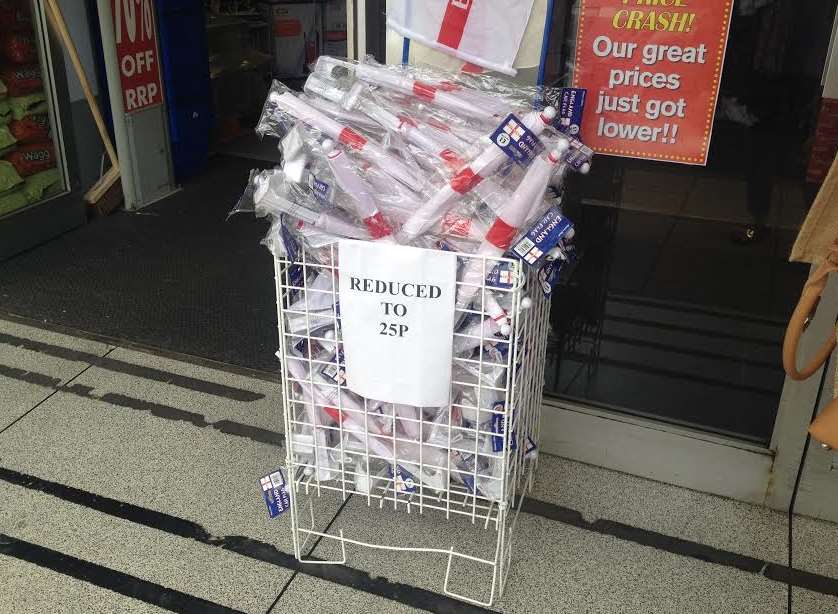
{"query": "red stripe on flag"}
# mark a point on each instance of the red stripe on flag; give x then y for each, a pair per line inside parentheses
(501, 234)
(472, 69)
(454, 23)
(449, 86)
(452, 160)
(423, 90)
(378, 226)
(465, 180)
(334, 414)
(349, 137)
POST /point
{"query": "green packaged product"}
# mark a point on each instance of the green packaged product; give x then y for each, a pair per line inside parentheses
(28, 105)
(12, 201)
(7, 140)
(35, 185)
(9, 178)
(5, 112)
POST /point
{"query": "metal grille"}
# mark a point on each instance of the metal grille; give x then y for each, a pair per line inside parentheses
(473, 458)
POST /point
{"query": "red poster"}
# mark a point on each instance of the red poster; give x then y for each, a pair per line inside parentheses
(652, 71)
(136, 52)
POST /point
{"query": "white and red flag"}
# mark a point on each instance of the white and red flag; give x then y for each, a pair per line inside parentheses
(483, 32)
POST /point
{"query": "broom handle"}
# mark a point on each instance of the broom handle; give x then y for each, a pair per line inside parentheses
(57, 19)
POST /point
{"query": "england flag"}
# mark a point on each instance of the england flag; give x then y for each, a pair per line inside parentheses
(483, 32)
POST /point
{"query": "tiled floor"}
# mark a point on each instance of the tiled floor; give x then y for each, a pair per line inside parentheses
(137, 476)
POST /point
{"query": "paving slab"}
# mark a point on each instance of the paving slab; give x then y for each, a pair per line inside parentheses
(175, 562)
(723, 523)
(29, 374)
(556, 568)
(190, 387)
(158, 447)
(192, 441)
(309, 595)
(30, 589)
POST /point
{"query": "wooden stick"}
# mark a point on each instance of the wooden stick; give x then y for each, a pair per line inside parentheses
(57, 19)
(101, 187)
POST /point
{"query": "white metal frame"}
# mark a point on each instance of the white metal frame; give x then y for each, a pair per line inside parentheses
(488, 491)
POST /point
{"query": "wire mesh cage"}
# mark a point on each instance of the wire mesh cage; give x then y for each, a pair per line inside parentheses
(472, 459)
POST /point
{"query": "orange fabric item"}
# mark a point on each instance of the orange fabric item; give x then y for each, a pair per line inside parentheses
(824, 427)
(805, 307)
(820, 229)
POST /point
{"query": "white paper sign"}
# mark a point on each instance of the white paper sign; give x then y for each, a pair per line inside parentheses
(397, 321)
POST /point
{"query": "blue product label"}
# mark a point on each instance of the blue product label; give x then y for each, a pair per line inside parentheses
(302, 346)
(403, 481)
(497, 351)
(468, 480)
(500, 276)
(497, 428)
(516, 140)
(548, 276)
(530, 448)
(465, 464)
(578, 154)
(337, 317)
(292, 249)
(550, 272)
(571, 106)
(275, 493)
(322, 191)
(336, 371)
(543, 236)
(498, 423)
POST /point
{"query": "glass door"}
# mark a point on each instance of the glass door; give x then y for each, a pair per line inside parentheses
(665, 356)
(35, 178)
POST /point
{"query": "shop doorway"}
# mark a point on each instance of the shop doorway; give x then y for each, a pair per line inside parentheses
(674, 320)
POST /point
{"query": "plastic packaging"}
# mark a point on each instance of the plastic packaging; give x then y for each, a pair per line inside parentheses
(404, 83)
(284, 102)
(419, 157)
(267, 198)
(484, 165)
(498, 238)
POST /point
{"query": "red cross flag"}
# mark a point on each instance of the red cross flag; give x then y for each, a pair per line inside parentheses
(484, 32)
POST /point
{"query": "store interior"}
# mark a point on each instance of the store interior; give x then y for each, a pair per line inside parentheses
(251, 43)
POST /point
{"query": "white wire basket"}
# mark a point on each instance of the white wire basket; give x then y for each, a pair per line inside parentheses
(473, 459)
